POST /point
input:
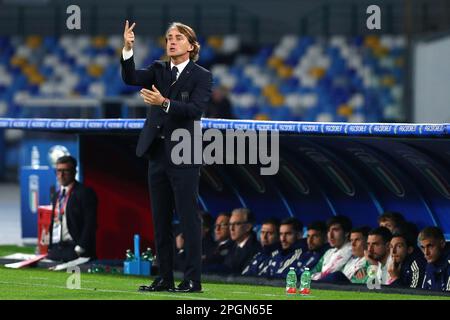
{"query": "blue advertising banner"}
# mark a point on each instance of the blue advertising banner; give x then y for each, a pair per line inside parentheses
(38, 178)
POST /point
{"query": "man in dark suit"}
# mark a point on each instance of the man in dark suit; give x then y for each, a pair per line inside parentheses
(74, 215)
(177, 91)
(245, 245)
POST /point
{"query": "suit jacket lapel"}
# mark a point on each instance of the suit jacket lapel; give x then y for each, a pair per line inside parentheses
(73, 194)
(181, 79)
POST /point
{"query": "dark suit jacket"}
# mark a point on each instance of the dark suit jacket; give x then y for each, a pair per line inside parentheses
(219, 253)
(188, 96)
(81, 214)
(238, 257)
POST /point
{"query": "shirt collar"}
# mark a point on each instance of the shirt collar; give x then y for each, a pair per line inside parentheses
(67, 188)
(243, 242)
(180, 66)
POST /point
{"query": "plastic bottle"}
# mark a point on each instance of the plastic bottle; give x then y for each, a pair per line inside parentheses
(305, 282)
(147, 255)
(291, 281)
(93, 268)
(99, 269)
(35, 157)
(33, 192)
(130, 255)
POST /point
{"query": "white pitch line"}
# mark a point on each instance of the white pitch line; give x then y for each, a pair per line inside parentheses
(260, 294)
(110, 291)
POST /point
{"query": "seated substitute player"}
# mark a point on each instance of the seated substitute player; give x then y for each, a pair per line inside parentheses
(377, 255)
(437, 272)
(292, 248)
(391, 220)
(407, 267)
(341, 250)
(317, 246)
(354, 270)
(270, 241)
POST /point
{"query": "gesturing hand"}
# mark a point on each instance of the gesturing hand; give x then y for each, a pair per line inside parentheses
(128, 36)
(152, 97)
(394, 269)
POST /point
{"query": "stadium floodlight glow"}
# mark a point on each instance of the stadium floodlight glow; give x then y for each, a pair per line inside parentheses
(56, 152)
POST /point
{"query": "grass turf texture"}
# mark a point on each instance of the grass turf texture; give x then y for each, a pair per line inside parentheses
(37, 284)
(44, 284)
(7, 250)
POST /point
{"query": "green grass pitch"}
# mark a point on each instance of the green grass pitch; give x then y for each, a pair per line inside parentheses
(34, 283)
(44, 284)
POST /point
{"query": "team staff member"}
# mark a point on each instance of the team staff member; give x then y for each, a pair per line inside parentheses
(177, 91)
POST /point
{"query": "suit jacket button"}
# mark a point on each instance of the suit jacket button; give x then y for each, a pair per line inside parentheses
(158, 127)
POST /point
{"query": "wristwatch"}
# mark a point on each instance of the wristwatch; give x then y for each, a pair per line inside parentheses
(165, 104)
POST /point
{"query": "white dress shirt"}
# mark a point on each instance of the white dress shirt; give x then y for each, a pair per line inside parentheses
(128, 54)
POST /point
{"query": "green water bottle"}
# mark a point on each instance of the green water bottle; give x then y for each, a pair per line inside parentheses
(291, 281)
(147, 255)
(305, 282)
(150, 254)
(129, 255)
(93, 268)
(99, 269)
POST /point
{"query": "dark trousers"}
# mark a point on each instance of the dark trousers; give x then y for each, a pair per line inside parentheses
(64, 251)
(174, 188)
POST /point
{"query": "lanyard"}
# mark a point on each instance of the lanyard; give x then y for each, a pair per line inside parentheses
(62, 207)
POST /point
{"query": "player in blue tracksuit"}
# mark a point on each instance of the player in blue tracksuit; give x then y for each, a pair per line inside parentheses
(269, 240)
(260, 261)
(317, 246)
(407, 265)
(292, 247)
(283, 259)
(437, 273)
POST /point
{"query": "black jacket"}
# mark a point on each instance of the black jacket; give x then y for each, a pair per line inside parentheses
(81, 211)
(239, 258)
(412, 271)
(189, 96)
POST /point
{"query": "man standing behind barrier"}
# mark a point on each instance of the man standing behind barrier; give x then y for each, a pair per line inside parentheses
(74, 215)
(177, 91)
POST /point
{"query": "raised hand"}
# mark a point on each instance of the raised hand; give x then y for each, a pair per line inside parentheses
(128, 36)
(152, 97)
(394, 269)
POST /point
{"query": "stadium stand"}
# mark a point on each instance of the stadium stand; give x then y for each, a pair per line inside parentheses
(312, 84)
(353, 79)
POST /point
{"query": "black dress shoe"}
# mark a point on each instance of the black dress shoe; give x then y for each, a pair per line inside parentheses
(187, 286)
(158, 284)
